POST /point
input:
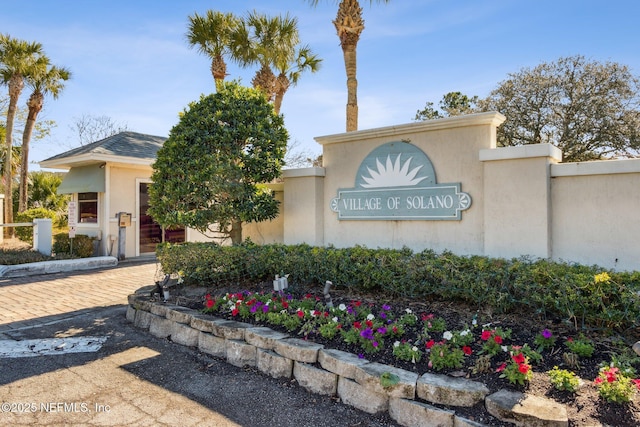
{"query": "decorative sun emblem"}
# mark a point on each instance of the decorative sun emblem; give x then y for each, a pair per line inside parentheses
(392, 174)
(465, 201)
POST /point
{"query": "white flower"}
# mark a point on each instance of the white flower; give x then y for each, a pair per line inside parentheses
(504, 348)
(447, 335)
(465, 332)
(408, 310)
(396, 344)
(474, 322)
(370, 316)
(335, 319)
(414, 348)
(342, 307)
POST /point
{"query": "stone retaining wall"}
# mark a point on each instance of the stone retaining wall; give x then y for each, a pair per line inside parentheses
(357, 382)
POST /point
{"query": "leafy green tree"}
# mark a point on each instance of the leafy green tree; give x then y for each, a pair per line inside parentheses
(349, 25)
(46, 79)
(452, 104)
(210, 172)
(590, 110)
(17, 59)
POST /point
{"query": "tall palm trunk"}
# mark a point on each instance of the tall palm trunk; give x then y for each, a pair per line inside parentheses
(349, 25)
(282, 85)
(35, 103)
(16, 84)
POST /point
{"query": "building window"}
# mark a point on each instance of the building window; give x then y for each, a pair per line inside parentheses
(88, 207)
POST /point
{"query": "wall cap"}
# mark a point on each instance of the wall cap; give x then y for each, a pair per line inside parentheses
(596, 167)
(521, 152)
(478, 119)
(303, 172)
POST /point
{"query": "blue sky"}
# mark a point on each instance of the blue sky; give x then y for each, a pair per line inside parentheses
(130, 60)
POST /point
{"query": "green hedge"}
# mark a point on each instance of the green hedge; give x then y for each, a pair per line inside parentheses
(551, 289)
(82, 245)
(26, 233)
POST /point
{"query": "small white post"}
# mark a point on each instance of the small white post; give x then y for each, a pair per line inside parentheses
(42, 235)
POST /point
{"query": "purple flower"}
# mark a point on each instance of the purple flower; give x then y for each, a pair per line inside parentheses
(265, 308)
(254, 308)
(367, 334)
(386, 307)
(382, 315)
(382, 330)
(375, 343)
(546, 334)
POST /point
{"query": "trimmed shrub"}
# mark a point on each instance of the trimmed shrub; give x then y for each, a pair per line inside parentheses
(26, 233)
(583, 295)
(82, 245)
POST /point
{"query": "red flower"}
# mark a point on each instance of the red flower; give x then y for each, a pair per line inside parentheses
(285, 304)
(486, 335)
(467, 350)
(357, 303)
(208, 296)
(430, 344)
(501, 367)
(357, 325)
(300, 314)
(210, 303)
(395, 329)
(235, 312)
(523, 367)
(251, 302)
(497, 339)
(598, 381)
(518, 358)
(426, 317)
(369, 323)
(637, 383)
(339, 326)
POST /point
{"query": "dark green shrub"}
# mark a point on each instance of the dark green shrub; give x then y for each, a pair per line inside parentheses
(26, 233)
(587, 296)
(82, 245)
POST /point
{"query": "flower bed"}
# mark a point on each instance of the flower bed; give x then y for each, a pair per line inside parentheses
(513, 352)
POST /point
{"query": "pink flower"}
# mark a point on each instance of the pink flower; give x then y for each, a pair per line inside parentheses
(501, 367)
(486, 335)
(498, 339)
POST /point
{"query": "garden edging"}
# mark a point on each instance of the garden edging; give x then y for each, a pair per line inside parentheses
(357, 382)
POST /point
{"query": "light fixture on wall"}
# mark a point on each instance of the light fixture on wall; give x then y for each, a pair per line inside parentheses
(102, 165)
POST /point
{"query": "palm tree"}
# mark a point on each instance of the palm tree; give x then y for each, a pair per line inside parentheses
(211, 34)
(266, 41)
(17, 59)
(290, 72)
(46, 79)
(349, 25)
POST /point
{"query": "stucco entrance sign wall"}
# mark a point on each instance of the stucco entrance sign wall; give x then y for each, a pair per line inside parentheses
(396, 181)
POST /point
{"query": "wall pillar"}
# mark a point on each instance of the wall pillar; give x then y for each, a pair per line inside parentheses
(517, 200)
(1, 218)
(304, 206)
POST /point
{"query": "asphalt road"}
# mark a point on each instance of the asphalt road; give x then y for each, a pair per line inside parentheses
(68, 356)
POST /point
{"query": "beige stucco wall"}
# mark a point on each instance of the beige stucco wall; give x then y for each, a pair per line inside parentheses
(517, 191)
(452, 145)
(596, 213)
(122, 186)
(303, 206)
(266, 232)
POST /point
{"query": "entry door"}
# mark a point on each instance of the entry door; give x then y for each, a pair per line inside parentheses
(150, 231)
